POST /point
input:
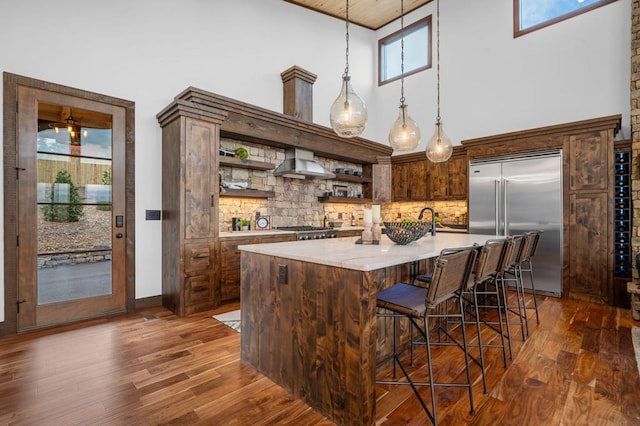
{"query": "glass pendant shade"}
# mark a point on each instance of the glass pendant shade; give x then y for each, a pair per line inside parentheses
(348, 114)
(439, 147)
(405, 133)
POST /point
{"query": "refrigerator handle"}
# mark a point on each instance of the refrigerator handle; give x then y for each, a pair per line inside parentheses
(497, 200)
(506, 210)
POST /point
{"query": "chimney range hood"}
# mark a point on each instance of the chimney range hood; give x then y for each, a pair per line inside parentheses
(299, 164)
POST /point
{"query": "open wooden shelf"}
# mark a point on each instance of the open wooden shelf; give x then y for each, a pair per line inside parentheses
(245, 164)
(246, 193)
(345, 200)
(352, 178)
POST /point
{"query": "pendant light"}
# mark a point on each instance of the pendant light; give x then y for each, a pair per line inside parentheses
(405, 133)
(348, 114)
(439, 147)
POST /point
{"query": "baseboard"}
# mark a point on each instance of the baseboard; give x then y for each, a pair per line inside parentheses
(149, 302)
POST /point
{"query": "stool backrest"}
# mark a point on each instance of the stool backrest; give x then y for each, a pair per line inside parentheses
(451, 273)
(515, 257)
(489, 260)
(532, 239)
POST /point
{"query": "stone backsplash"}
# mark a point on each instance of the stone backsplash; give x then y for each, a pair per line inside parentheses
(296, 200)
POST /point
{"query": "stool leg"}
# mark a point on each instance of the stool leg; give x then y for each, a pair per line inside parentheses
(477, 313)
(430, 368)
(503, 286)
(466, 357)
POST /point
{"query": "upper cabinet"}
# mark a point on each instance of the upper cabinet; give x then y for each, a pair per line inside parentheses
(415, 178)
(409, 177)
(449, 180)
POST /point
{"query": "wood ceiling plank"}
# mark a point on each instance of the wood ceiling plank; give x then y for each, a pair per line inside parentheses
(372, 14)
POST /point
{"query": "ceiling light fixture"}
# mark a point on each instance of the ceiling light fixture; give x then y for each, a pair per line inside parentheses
(405, 133)
(348, 114)
(73, 129)
(439, 147)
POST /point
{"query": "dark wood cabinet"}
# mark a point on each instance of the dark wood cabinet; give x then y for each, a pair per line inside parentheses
(590, 253)
(230, 261)
(415, 178)
(409, 177)
(588, 196)
(449, 180)
(190, 145)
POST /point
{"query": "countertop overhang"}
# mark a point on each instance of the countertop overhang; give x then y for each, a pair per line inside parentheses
(345, 253)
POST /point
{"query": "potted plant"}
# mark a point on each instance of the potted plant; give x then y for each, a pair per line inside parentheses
(244, 224)
(242, 153)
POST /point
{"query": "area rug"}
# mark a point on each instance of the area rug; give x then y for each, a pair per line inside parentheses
(635, 337)
(230, 319)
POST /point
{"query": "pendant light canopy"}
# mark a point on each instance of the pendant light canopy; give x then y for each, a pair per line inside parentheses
(348, 114)
(405, 133)
(439, 147)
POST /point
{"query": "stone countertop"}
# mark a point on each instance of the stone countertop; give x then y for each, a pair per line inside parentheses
(344, 253)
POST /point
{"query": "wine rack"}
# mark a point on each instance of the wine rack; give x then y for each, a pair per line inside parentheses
(622, 215)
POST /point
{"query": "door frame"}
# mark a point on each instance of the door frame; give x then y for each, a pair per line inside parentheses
(10, 140)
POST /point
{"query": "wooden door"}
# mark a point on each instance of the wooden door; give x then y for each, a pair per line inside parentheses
(438, 180)
(417, 180)
(458, 178)
(71, 208)
(399, 180)
(590, 257)
(589, 169)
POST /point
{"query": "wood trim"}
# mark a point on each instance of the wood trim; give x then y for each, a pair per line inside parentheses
(516, 17)
(458, 151)
(476, 146)
(250, 123)
(149, 302)
(10, 138)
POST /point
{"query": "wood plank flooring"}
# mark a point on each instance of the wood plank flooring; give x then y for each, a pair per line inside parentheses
(151, 367)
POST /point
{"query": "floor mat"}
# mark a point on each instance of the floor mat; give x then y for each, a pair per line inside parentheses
(230, 319)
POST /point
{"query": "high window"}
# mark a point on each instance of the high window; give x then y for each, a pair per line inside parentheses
(417, 51)
(531, 15)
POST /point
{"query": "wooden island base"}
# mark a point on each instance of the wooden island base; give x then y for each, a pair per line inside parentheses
(311, 327)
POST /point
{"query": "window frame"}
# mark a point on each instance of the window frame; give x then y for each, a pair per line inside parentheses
(517, 32)
(396, 36)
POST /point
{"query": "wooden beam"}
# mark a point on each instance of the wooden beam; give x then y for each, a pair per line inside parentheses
(258, 125)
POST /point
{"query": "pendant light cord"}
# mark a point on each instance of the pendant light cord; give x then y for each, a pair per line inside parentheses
(346, 69)
(438, 56)
(402, 52)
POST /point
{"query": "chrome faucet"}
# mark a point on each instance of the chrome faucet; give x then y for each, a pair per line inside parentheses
(433, 218)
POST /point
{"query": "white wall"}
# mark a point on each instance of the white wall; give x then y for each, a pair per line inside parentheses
(148, 52)
(492, 83)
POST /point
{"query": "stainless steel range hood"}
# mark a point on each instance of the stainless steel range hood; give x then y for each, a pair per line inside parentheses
(299, 164)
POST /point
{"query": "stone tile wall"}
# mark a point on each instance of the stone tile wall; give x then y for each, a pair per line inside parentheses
(296, 200)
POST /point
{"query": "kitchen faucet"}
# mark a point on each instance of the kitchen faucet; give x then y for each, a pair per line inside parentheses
(433, 219)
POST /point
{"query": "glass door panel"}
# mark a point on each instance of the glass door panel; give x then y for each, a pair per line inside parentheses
(74, 204)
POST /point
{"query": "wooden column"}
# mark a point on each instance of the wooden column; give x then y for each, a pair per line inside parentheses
(298, 93)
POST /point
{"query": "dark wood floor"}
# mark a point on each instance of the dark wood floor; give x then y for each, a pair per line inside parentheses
(150, 367)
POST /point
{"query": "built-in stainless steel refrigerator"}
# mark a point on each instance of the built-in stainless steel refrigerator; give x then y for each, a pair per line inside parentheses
(513, 195)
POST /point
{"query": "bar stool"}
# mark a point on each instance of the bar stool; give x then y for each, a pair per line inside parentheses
(511, 274)
(526, 264)
(485, 282)
(450, 276)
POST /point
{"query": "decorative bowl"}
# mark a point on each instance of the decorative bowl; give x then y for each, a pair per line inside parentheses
(335, 224)
(406, 232)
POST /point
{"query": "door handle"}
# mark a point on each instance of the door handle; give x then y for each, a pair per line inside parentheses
(119, 235)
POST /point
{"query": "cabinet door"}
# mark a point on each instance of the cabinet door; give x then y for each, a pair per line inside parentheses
(399, 181)
(589, 161)
(458, 178)
(589, 269)
(438, 181)
(417, 180)
(200, 180)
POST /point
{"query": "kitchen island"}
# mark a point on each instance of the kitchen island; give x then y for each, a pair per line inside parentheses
(309, 315)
